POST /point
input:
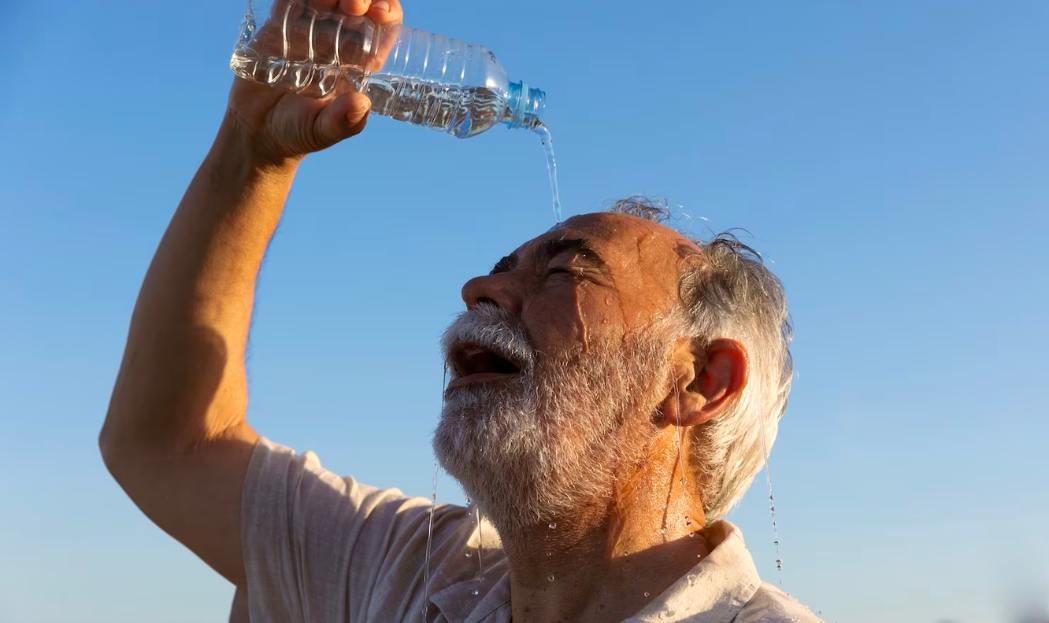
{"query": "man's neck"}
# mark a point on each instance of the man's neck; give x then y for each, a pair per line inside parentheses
(609, 560)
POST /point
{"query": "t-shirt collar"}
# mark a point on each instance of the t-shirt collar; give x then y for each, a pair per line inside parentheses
(713, 591)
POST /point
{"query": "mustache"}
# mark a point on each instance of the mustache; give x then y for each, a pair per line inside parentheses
(493, 328)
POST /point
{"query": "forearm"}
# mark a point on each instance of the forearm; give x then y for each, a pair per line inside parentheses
(182, 380)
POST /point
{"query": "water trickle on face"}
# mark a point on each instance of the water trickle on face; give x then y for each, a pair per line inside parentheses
(551, 166)
(584, 332)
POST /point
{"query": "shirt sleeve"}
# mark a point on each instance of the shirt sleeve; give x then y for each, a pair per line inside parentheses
(318, 547)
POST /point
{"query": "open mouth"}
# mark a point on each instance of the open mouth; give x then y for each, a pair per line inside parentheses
(473, 364)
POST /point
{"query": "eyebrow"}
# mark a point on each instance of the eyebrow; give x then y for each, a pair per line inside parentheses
(508, 263)
(550, 249)
(582, 250)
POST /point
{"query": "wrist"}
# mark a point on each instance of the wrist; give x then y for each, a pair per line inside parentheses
(237, 175)
(238, 145)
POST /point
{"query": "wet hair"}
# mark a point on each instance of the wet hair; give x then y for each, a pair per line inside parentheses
(731, 294)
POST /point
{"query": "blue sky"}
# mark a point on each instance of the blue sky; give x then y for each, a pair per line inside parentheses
(891, 160)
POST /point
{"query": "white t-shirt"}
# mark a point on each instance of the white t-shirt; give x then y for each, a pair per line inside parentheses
(319, 548)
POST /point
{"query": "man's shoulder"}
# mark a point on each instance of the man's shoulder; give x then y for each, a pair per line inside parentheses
(771, 605)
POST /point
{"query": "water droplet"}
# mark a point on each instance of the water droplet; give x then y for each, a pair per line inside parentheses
(647, 594)
(476, 592)
(553, 525)
(772, 500)
(469, 554)
(550, 578)
(549, 553)
(662, 530)
(429, 530)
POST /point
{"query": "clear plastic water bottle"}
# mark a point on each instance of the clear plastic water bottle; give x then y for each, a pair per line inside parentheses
(409, 75)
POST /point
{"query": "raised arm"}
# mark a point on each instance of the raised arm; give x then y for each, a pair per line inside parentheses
(175, 436)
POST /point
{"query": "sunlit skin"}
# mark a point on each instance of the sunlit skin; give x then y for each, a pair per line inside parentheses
(607, 276)
(176, 437)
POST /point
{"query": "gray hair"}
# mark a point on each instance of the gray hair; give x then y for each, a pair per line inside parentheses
(731, 294)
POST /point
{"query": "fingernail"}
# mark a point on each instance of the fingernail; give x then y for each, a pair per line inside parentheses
(381, 6)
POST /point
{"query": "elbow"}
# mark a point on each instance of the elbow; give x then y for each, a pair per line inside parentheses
(120, 445)
(129, 441)
(109, 447)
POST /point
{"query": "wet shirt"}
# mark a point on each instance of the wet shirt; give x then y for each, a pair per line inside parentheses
(320, 548)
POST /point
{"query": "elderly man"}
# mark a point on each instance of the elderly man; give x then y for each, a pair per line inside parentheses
(613, 384)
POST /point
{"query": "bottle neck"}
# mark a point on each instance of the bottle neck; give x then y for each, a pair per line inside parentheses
(524, 107)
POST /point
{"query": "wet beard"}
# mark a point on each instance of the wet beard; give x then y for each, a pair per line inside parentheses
(547, 441)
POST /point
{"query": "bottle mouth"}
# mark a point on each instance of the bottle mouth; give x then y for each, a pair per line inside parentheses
(525, 106)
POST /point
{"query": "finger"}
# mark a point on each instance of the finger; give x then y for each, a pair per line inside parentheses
(386, 12)
(290, 8)
(388, 37)
(354, 7)
(323, 8)
(345, 117)
(391, 13)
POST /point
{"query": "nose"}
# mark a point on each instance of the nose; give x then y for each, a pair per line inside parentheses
(499, 290)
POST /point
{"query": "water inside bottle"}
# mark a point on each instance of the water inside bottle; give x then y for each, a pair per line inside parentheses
(460, 111)
(551, 166)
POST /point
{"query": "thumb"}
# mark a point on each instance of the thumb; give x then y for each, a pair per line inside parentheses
(346, 116)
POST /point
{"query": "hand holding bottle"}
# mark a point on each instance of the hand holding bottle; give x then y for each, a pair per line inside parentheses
(317, 48)
(282, 125)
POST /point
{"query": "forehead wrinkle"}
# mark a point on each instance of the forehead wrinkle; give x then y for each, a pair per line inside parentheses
(613, 231)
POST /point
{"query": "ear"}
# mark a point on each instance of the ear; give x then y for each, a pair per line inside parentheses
(706, 381)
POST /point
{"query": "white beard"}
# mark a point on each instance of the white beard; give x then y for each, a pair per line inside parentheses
(538, 444)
